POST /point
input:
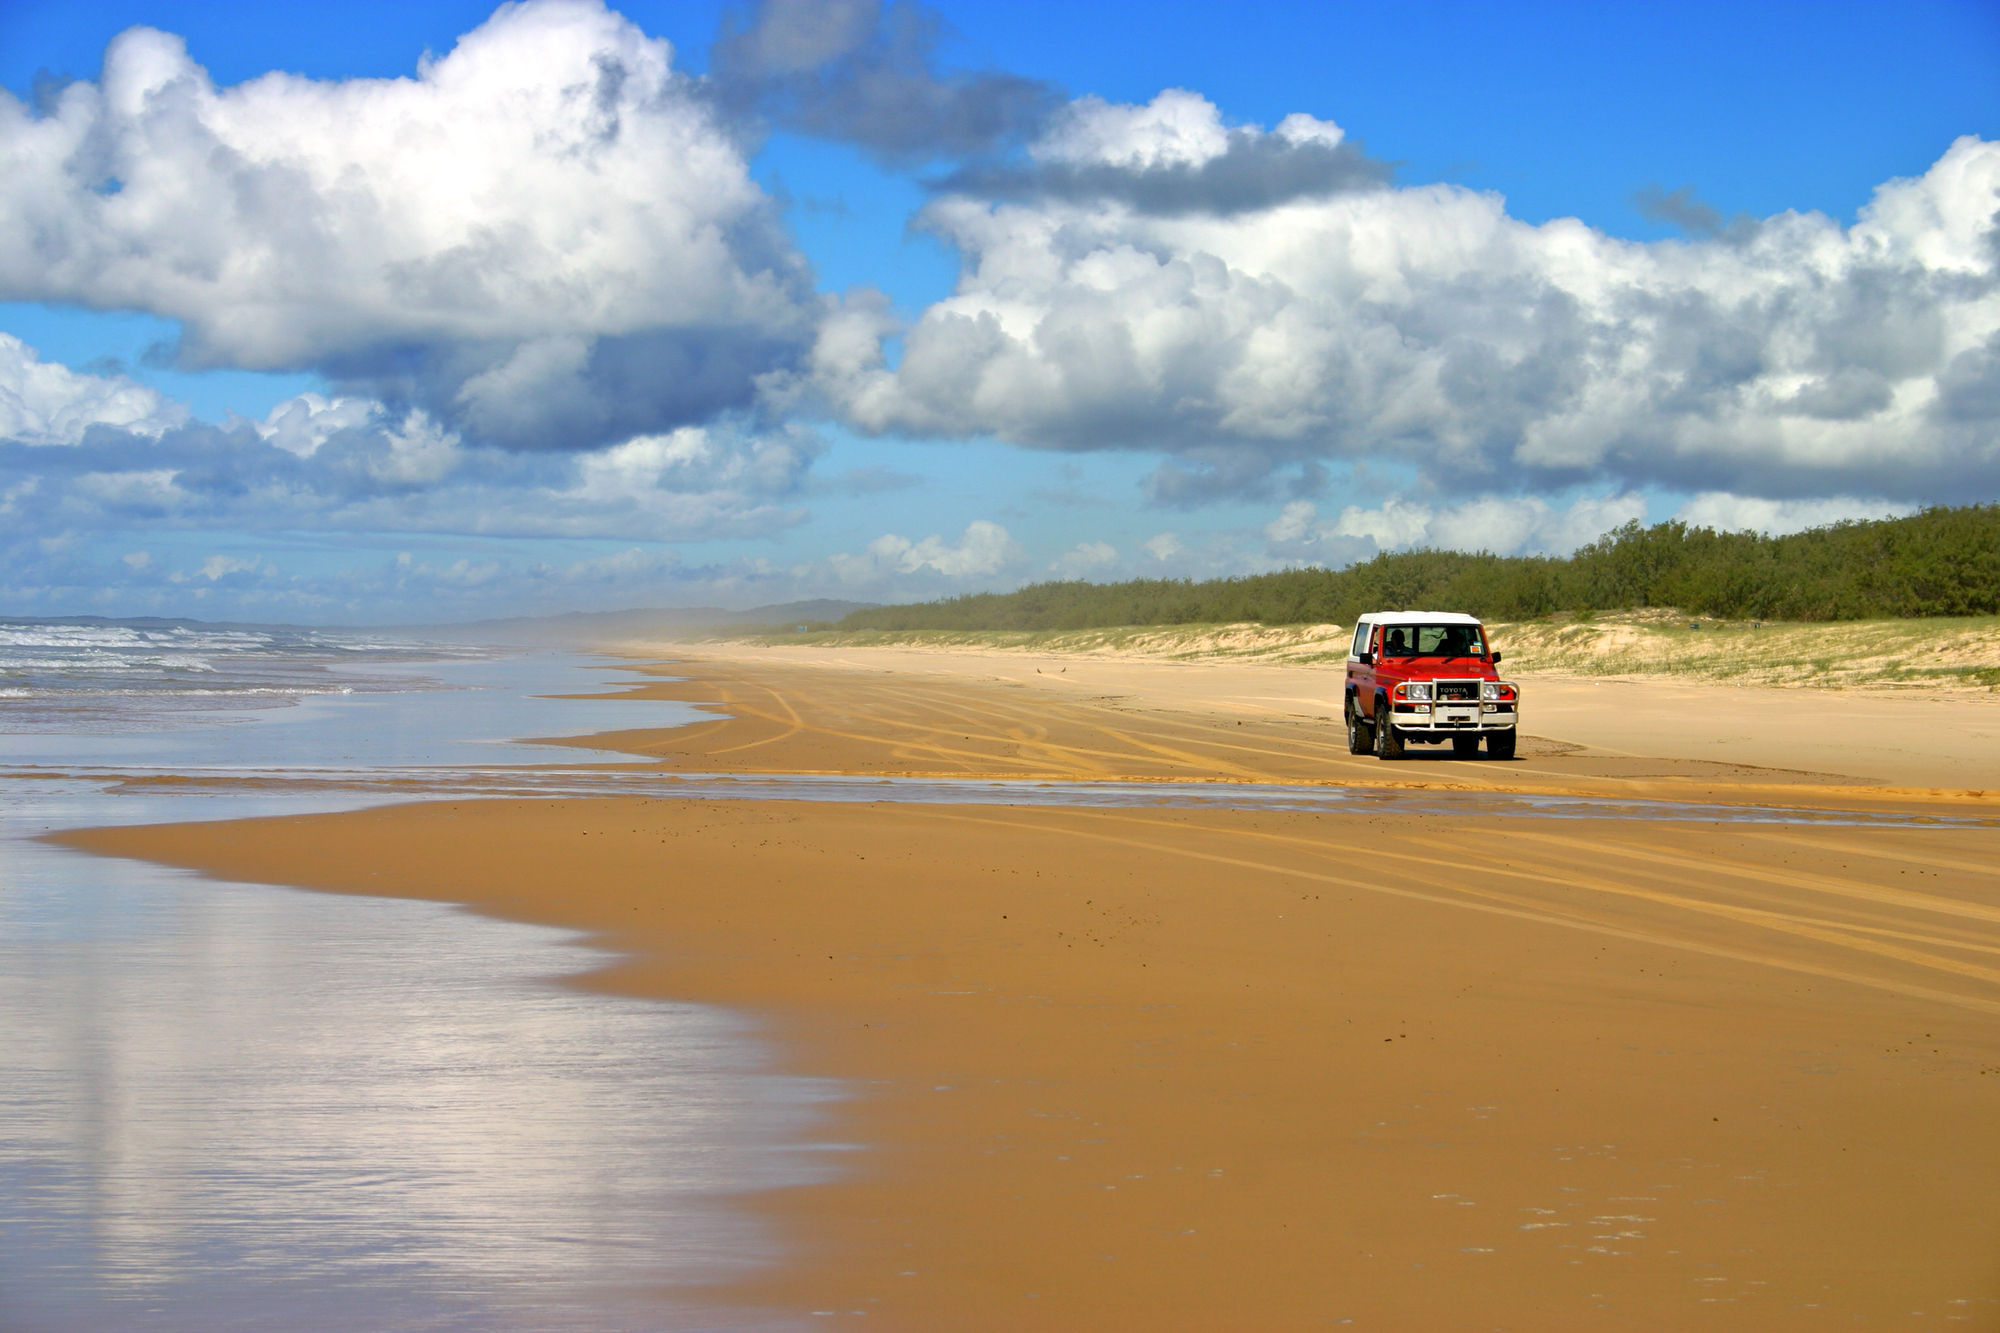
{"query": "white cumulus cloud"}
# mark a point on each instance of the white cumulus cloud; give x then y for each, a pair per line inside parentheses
(1084, 560)
(984, 548)
(1504, 525)
(1743, 513)
(1424, 324)
(301, 425)
(44, 402)
(217, 567)
(1176, 128)
(543, 238)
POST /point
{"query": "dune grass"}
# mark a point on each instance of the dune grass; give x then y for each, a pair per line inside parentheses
(1954, 653)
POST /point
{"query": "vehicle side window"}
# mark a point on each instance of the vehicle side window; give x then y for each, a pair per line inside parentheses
(1361, 638)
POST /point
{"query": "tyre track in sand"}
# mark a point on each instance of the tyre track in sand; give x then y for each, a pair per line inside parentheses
(922, 726)
(1710, 891)
(1622, 908)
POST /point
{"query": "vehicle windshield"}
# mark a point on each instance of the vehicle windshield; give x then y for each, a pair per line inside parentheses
(1432, 641)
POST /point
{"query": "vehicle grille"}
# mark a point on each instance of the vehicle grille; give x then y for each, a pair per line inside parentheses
(1458, 690)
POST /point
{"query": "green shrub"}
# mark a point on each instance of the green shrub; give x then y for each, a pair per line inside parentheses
(1941, 562)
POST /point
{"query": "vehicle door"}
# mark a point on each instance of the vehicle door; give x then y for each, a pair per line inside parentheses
(1356, 669)
(1370, 673)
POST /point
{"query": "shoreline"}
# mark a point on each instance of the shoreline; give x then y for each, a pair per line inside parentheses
(1196, 1069)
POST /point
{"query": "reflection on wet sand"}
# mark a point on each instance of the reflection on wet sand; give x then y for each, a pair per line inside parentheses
(230, 1105)
(227, 1105)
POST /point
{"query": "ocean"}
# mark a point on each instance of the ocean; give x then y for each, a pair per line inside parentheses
(236, 1106)
(92, 675)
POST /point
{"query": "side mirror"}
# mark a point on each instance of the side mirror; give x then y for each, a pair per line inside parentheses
(1496, 657)
(1367, 658)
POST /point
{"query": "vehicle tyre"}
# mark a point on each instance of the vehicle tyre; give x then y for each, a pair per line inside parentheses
(1360, 736)
(1464, 747)
(1388, 741)
(1500, 744)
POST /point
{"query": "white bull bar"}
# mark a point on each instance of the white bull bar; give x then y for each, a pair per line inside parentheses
(1457, 707)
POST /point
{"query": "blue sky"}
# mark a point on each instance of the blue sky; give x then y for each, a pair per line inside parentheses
(699, 304)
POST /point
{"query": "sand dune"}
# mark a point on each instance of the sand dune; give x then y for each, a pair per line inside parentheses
(1197, 1069)
(1955, 654)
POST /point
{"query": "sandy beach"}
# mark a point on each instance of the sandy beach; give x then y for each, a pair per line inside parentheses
(1259, 1069)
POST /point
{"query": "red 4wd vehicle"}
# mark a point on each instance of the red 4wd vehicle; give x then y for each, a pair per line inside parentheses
(1427, 677)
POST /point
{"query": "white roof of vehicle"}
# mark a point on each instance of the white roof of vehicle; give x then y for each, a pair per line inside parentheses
(1420, 618)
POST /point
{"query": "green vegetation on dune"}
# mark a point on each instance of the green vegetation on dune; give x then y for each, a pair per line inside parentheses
(1952, 653)
(1944, 652)
(1941, 562)
(1293, 644)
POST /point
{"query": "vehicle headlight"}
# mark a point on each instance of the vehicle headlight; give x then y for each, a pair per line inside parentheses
(1419, 691)
(1491, 690)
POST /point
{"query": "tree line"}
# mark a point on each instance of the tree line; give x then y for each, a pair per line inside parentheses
(1941, 562)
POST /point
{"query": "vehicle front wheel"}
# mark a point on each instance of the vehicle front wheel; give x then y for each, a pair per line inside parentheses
(1464, 747)
(1500, 744)
(1388, 740)
(1360, 736)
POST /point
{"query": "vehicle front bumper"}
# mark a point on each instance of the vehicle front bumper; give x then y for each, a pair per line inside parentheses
(1454, 716)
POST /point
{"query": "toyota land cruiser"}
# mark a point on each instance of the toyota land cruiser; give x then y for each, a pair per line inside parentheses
(1426, 677)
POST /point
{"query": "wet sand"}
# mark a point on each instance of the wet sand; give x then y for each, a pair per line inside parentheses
(1198, 1069)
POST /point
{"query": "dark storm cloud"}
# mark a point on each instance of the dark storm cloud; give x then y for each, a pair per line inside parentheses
(1969, 389)
(860, 73)
(591, 393)
(1678, 208)
(1256, 171)
(1201, 476)
(1848, 394)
